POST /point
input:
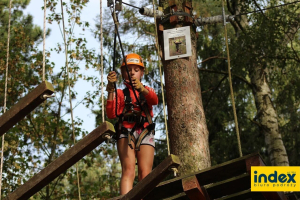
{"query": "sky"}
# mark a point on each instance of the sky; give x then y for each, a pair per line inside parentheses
(89, 13)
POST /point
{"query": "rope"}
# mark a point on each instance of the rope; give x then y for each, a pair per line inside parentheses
(70, 98)
(230, 84)
(101, 49)
(161, 81)
(44, 39)
(5, 93)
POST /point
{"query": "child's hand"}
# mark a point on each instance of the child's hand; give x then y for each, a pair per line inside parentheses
(137, 85)
(112, 77)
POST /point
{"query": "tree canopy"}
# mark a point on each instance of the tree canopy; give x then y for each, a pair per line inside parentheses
(264, 54)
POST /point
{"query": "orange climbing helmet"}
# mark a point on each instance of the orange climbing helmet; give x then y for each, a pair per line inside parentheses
(133, 59)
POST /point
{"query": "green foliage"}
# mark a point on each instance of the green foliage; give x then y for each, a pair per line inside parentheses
(270, 39)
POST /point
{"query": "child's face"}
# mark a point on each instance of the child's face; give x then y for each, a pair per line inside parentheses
(135, 72)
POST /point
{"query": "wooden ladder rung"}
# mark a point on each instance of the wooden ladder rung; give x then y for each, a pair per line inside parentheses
(25, 106)
(63, 162)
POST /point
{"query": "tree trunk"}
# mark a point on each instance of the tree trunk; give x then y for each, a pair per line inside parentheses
(267, 116)
(186, 119)
(266, 112)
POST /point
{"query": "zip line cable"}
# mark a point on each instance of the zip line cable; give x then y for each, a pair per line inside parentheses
(101, 60)
(272, 7)
(230, 83)
(70, 98)
(114, 69)
(5, 93)
(44, 41)
(123, 54)
(161, 80)
(130, 5)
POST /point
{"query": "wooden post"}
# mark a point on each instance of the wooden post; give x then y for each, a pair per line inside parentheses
(25, 106)
(193, 189)
(62, 163)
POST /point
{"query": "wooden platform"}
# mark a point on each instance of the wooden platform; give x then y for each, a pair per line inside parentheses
(229, 180)
(25, 106)
(62, 163)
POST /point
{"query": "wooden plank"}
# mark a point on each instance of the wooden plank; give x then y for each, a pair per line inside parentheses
(193, 189)
(166, 189)
(62, 163)
(25, 106)
(247, 194)
(206, 176)
(229, 186)
(142, 188)
(225, 170)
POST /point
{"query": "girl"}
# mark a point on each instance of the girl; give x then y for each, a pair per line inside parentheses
(132, 121)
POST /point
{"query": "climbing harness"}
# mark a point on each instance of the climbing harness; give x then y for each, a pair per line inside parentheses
(131, 115)
(118, 125)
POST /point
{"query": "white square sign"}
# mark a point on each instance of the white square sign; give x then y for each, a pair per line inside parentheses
(177, 43)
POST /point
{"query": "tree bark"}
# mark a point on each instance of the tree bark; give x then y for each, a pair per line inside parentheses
(267, 116)
(186, 119)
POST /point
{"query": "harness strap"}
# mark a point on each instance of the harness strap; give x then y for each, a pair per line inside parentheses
(130, 137)
(143, 134)
(150, 128)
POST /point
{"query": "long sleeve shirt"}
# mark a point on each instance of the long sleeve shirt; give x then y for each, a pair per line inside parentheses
(151, 99)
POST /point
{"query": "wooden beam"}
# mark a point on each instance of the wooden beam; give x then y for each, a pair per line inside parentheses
(143, 187)
(62, 163)
(193, 189)
(25, 106)
(166, 189)
(253, 161)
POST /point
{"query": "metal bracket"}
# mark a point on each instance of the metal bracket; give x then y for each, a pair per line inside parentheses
(175, 170)
(46, 96)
